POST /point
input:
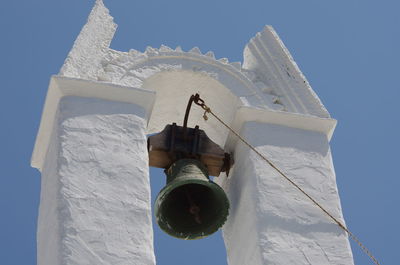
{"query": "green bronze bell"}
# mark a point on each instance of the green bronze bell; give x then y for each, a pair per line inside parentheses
(190, 206)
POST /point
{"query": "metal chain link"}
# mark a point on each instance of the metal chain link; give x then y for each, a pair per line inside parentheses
(200, 102)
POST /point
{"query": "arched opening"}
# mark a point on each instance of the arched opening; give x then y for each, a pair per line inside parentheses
(173, 89)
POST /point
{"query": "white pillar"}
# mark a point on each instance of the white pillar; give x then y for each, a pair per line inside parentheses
(270, 221)
(95, 197)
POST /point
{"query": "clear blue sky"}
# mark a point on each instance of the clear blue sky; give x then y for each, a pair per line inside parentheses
(348, 50)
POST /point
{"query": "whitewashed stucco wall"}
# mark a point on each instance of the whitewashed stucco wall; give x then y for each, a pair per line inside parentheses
(95, 202)
(271, 222)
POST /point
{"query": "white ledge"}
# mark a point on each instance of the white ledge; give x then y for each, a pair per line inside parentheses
(61, 86)
(294, 120)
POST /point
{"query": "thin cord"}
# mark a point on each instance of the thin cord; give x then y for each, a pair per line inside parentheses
(206, 109)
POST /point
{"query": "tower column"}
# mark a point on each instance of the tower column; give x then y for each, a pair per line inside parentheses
(271, 222)
(95, 196)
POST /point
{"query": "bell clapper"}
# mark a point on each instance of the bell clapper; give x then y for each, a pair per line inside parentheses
(193, 209)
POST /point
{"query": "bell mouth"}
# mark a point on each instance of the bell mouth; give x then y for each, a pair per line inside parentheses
(191, 209)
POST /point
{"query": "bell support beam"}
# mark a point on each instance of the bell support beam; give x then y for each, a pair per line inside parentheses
(270, 221)
(95, 196)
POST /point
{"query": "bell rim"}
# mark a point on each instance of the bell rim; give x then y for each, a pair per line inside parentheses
(179, 183)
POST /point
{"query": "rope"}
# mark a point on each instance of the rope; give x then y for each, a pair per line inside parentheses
(206, 109)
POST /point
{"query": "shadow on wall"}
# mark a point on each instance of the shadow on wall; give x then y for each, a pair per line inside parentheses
(71, 106)
(281, 136)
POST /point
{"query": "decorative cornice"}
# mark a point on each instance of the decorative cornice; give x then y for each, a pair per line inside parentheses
(269, 77)
(134, 67)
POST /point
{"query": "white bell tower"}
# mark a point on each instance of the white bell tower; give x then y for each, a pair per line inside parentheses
(91, 150)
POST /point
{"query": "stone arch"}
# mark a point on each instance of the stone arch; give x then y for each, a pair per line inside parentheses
(175, 75)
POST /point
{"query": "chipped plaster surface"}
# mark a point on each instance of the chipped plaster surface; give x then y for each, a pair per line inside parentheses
(270, 221)
(91, 45)
(95, 201)
(276, 71)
